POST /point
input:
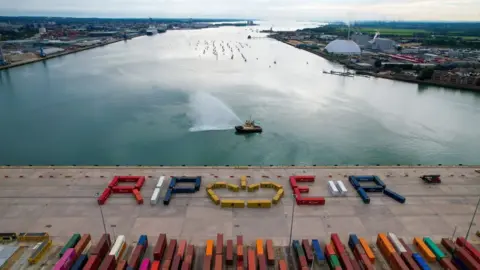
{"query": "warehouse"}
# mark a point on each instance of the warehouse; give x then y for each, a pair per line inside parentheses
(343, 47)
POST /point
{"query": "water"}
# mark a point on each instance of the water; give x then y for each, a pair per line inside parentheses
(143, 101)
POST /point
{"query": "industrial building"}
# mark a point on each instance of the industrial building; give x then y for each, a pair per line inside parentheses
(362, 40)
(343, 47)
(383, 44)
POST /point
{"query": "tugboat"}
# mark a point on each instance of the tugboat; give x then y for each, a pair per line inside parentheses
(248, 127)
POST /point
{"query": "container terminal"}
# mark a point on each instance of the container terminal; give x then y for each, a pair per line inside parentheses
(399, 217)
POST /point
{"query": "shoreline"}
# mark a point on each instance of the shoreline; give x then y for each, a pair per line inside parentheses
(388, 77)
(100, 167)
(31, 61)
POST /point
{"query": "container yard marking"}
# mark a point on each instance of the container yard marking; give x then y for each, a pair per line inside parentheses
(372, 183)
(298, 190)
(249, 188)
(115, 187)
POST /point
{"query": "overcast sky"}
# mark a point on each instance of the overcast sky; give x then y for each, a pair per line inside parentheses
(346, 10)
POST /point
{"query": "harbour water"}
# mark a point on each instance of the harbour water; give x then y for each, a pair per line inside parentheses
(161, 100)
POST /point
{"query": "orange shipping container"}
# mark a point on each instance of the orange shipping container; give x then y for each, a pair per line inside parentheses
(424, 250)
(282, 265)
(82, 244)
(368, 250)
(155, 265)
(259, 247)
(209, 248)
(387, 246)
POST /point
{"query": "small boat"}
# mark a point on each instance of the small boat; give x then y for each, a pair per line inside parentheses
(248, 127)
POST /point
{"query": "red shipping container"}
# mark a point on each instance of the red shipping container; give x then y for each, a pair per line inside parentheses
(93, 263)
(366, 263)
(308, 250)
(82, 244)
(407, 248)
(182, 245)
(186, 266)
(134, 260)
(191, 250)
(239, 265)
(109, 263)
(105, 194)
(302, 261)
(171, 249)
(396, 263)
(282, 265)
(155, 265)
(123, 189)
(207, 263)
(466, 258)
(329, 250)
(448, 244)
(252, 260)
(229, 255)
(355, 264)
(345, 261)
(138, 196)
(219, 245)
(122, 265)
(102, 247)
(160, 246)
(176, 263)
(409, 261)
(270, 253)
(239, 240)
(473, 251)
(218, 262)
(239, 248)
(188, 259)
(262, 262)
(166, 265)
(447, 264)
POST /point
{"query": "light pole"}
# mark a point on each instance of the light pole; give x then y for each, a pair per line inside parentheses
(101, 213)
(473, 219)
(113, 226)
(291, 229)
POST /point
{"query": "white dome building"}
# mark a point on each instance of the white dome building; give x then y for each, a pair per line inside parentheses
(346, 47)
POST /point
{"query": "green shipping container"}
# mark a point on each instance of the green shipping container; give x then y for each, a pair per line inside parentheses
(434, 248)
(333, 261)
(70, 244)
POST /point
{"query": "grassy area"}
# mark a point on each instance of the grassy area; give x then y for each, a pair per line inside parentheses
(392, 31)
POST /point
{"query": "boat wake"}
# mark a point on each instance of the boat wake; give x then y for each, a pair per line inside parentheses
(209, 113)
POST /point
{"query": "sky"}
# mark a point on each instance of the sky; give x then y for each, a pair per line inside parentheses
(320, 10)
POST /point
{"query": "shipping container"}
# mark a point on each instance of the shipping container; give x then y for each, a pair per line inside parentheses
(396, 262)
(459, 264)
(355, 264)
(397, 197)
(182, 246)
(145, 265)
(378, 181)
(93, 263)
(341, 188)
(345, 261)
(219, 246)
(385, 246)
(207, 262)
(353, 241)
(298, 248)
(270, 252)
(218, 262)
(155, 265)
(155, 196)
(161, 179)
(302, 262)
(166, 265)
(420, 261)
(317, 250)
(82, 244)
(80, 262)
(121, 265)
(329, 250)
(229, 253)
(333, 189)
(282, 265)
(171, 249)
(160, 247)
(168, 196)
(262, 262)
(423, 249)
(397, 245)
(117, 246)
(33, 237)
(259, 245)
(436, 251)
(38, 251)
(363, 195)
(404, 244)
(136, 257)
(333, 261)
(448, 244)
(409, 261)
(447, 264)
(109, 263)
(209, 248)
(472, 250)
(70, 244)
(337, 244)
(308, 250)
(67, 260)
(103, 246)
(252, 260)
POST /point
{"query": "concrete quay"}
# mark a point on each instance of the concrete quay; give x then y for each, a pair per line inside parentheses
(61, 201)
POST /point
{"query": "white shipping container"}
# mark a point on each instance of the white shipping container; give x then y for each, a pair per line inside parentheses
(397, 245)
(87, 247)
(160, 181)
(155, 196)
(117, 246)
(333, 189)
(341, 187)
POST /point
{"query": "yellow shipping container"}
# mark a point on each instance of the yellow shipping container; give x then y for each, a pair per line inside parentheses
(424, 250)
(243, 182)
(220, 185)
(266, 185)
(277, 196)
(253, 187)
(210, 186)
(232, 203)
(259, 204)
(276, 186)
(233, 187)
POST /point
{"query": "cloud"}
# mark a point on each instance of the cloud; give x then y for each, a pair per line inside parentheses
(260, 9)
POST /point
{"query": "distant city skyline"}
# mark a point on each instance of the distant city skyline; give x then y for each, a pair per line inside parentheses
(345, 10)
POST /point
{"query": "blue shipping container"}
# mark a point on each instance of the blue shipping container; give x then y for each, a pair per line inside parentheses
(80, 262)
(397, 197)
(198, 183)
(378, 181)
(363, 178)
(373, 188)
(353, 181)
(459, 264)
(363, 195)
(167, 198)
(420, 261)
(317, 249)
(173, 182)
(183, 190)
(187, 179)
(353, 241)
(143, 240)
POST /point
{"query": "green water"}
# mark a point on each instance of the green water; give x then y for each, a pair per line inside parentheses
(137, 102)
